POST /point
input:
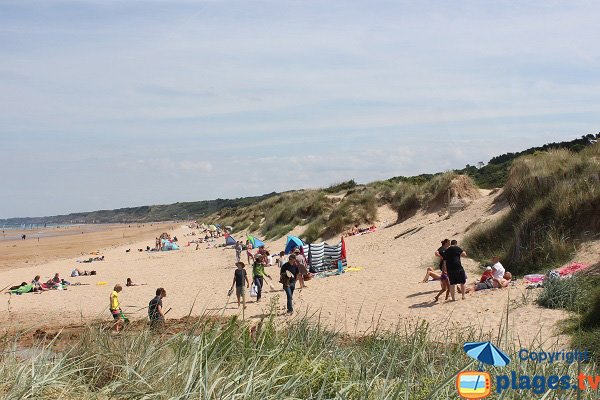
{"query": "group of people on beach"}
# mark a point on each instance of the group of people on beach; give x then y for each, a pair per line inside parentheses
(290, 271)
(452, 273)
(156, 313)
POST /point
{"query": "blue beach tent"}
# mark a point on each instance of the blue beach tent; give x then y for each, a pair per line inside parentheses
(292, 243)
(256, 242)
(230, 241)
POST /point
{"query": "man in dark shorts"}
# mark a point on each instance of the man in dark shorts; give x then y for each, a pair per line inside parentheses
(155, 310)
(454, 269)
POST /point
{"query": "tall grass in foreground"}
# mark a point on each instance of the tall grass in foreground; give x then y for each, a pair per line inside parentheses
(223, 359)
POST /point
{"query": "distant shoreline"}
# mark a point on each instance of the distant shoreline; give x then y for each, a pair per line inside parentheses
(54, 230)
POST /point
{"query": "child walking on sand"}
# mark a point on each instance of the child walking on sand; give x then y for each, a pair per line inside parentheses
(115, 307)
(239, 276)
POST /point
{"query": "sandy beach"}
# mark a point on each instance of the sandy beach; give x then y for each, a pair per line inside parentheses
(382, 289)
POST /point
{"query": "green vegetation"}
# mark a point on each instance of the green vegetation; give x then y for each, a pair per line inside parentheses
(554, 199)
(581, 295)
(495, 173)
(176, 211)
(224, 359)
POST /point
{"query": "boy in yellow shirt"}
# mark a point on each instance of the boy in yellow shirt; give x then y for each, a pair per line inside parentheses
(115, 306)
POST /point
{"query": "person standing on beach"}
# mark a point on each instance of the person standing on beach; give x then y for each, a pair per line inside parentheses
(302, 266)
(258, 275)
(115, 306)
(249, 252)
(454, 269)
(288, 274)
(445, 284)
(238, 251)
(155, 310)
(239, 277)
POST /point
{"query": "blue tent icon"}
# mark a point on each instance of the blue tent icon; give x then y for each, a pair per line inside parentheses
(487, 353)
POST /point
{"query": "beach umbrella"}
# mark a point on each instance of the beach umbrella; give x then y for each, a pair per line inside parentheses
(255, 242)
(229, 227)
(292, 243)
(212, 228)
(487, 353)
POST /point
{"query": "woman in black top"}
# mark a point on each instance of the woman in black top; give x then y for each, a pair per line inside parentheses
(454, 269)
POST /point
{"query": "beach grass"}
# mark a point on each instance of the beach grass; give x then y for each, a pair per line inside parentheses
(228, 358)
(554, 198)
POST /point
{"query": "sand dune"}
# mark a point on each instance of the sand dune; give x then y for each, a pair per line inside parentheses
(384, 291)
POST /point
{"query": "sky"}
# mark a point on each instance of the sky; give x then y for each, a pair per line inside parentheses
(107, 104)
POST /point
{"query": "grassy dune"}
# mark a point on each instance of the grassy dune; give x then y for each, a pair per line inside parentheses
(554, 198)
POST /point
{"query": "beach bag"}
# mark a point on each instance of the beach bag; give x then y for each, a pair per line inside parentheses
(253, 291)
(284, 280)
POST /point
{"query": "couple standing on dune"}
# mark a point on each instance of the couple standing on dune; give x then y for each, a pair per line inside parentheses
(453, 272)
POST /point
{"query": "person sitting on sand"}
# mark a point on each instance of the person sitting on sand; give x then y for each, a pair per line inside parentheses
(56, 279)
(497, 268)
(239, 277)
(37, 285)
(130, 283)
(492, 283)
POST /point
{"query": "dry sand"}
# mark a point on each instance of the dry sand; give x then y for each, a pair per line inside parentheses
(385, 290)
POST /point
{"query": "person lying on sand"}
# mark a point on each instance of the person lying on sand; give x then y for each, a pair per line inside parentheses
(77, 272)
(17, 286)
(130, 283)
(492, 283)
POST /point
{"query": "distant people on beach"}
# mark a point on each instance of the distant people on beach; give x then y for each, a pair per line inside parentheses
(454, 269)
(249, 253)
(23, 236)
(258, 275)
(302, 265)
(238, 251)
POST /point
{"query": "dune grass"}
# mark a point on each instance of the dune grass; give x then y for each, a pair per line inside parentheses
(555, 204)
(579, 294)
(216, 358)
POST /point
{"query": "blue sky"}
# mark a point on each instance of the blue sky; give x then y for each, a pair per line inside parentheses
(107, 104)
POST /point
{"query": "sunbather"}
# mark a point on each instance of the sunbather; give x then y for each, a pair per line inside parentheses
(492, 283)
(431, 274)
